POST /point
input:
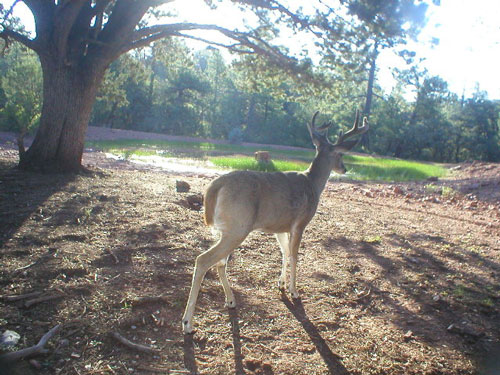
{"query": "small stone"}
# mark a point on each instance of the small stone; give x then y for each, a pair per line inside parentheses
(252, 364)
(408, 335)
(182, 186)
(195, 202)
(35, 364)
(9, 338)
(267, 367)
(397, 190)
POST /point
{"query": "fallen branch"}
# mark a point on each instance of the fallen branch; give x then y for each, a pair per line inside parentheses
(132, 345)
(32, 350)
(45, 257)
(20, 296)
(34, 301)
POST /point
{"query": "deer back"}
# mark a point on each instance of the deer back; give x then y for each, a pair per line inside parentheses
(271, 202)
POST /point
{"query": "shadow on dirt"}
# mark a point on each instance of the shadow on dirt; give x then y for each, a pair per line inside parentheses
(456, 307)
(24, 193)
(332, 361)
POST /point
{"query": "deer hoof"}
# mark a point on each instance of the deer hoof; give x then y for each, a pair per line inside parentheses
(187, 327)
(295, 295)
(281, 285)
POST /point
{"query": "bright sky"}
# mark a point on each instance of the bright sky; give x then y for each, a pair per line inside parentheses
(467, 54)
(468, 51)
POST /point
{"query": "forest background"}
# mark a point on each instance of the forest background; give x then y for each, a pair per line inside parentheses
(170, 88)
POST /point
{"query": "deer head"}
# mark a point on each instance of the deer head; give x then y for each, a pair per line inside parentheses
(332, 152)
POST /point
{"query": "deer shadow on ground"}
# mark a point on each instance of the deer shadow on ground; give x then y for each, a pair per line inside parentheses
(190, 356)
(332, 361)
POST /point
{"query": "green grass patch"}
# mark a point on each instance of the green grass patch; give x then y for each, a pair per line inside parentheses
(250, 164)
(359, 167)
(385, 169)
(223, 156)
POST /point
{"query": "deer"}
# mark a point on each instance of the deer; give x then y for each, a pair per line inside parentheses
(282, 203)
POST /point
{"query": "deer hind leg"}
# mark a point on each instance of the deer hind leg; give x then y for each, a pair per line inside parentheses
(295, 238)
(221, 270)
(283, 240)
(204, 262)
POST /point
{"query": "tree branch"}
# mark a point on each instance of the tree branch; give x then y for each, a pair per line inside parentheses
(230, 47)
(147, 35)
(9, 12)
(7, 34)
(133, 345)
(124, 17)
(64, 20)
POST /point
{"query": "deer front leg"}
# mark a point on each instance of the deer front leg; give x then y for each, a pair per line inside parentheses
(283, 240)
(221, 270)
(295, 238)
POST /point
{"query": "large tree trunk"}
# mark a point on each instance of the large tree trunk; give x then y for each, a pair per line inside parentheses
(68, 96)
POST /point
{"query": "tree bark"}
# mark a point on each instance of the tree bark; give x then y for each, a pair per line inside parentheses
(365, 138)
(69, 93)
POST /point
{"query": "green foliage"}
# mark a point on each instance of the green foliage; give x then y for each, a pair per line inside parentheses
(20, 91)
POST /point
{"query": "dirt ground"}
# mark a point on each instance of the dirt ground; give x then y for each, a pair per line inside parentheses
(394, 278)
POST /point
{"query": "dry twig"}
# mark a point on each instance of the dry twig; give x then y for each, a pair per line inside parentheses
(45, 257)
(132, 345)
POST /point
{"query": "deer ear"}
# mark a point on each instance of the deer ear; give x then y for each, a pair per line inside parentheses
(346, 145)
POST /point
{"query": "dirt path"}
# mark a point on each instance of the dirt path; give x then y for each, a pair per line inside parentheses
(395, 278)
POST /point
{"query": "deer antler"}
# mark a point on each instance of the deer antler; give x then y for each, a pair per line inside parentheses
(320, 130)
(355, 130)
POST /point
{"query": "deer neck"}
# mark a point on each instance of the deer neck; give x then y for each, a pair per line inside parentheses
(319, 172)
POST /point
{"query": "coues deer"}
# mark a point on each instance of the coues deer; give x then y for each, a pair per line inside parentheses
(282, 203)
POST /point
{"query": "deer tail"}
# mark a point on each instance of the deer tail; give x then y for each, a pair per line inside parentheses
(209, 202)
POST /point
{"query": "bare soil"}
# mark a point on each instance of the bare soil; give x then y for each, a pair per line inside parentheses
(394, 278)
